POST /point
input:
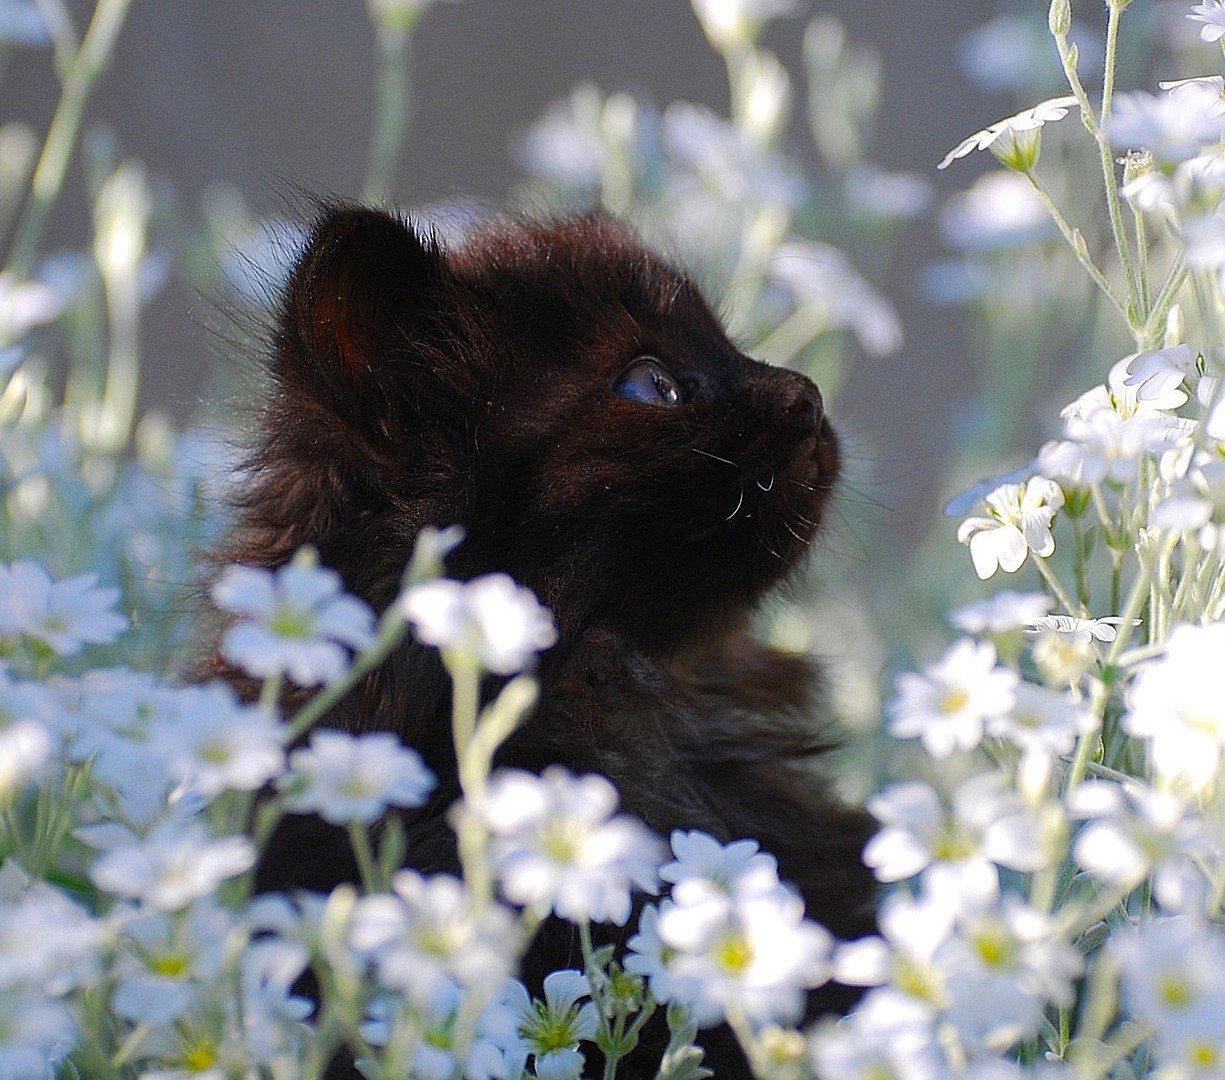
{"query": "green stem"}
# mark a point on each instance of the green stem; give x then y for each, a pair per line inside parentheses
(392, 115)
(391, 630)
(1109, 175)
(1055, 586)
(87, 67)
(359, 837)
(1077, 242)
(117, 408)
(270, 692)
(64, 42)
(1167, 297)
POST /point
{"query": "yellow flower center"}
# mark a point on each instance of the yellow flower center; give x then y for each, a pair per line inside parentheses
(996, 947)
(1174, 991)
(1204, 1055)
(172, 965)
(954, 700)
(734, 954)
(200, 1058)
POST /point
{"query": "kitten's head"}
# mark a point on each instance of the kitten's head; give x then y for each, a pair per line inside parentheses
(559, 391)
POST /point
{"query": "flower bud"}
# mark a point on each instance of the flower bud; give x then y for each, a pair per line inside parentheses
(1059, 17)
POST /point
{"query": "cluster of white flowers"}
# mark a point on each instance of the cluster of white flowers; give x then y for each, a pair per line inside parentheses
(730, 939)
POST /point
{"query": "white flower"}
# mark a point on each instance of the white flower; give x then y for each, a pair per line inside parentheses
(1196, 499)
(1157, 376)
(903, 956)
(1018, 522)
(35, 1031)
(999, 210)
(1132, 832)
(1005, 611)
(217, 744)
(887, 1037)
(753, 953)
(1141, 384)
(1078, 629)
(1013, 139)
(166, 961)
(172, 866)
(557, 845)
(1004, 963)
(947, 705)
(111, 715)
(1212, 14)
(24, 305)
(296, 621)
(1042, 721)
(1173, 974)
(1106, 445)
(426, 933)
(27, 713)
(984, 823)
(272, 1013)
(552, 1029)
(48, 941)
(1178, 704)
(1173, 126)
(822, 279)
(63, 615)
(344, 778)
(731, 23)
(727, 869)
(490, 618)
(1199, 1056)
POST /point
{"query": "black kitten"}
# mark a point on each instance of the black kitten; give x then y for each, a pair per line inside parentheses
(570, 400)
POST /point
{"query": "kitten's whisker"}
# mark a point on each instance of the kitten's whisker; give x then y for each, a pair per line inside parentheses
(802, 540)
(738, 506)
(770, 488)
(715, 457)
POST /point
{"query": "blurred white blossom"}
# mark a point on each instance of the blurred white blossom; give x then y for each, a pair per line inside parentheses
(62, 616)
(1172, 126)
(296, 621)
(346, 778)
(427, 931)
(1001, 612)
(949, 703)
(557, 844)
(1173, 974)
(999, 210)
(173, 865)
(1178, 704)
(215, 743)
(490, 619)
(982, 825)
(1132, 832)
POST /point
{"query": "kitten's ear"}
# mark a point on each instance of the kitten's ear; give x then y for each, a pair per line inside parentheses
(359, 296)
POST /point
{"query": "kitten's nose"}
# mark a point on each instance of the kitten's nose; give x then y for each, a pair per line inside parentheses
(805, 407)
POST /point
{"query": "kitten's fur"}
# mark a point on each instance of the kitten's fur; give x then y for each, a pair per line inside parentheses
(481, 386)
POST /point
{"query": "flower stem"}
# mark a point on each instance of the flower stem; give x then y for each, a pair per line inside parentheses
(359, 837)
(86, 68)
(1076, 241)
(391, 630)
(394, 44)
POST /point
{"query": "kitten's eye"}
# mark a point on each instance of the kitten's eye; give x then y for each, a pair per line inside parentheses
(650, 384)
